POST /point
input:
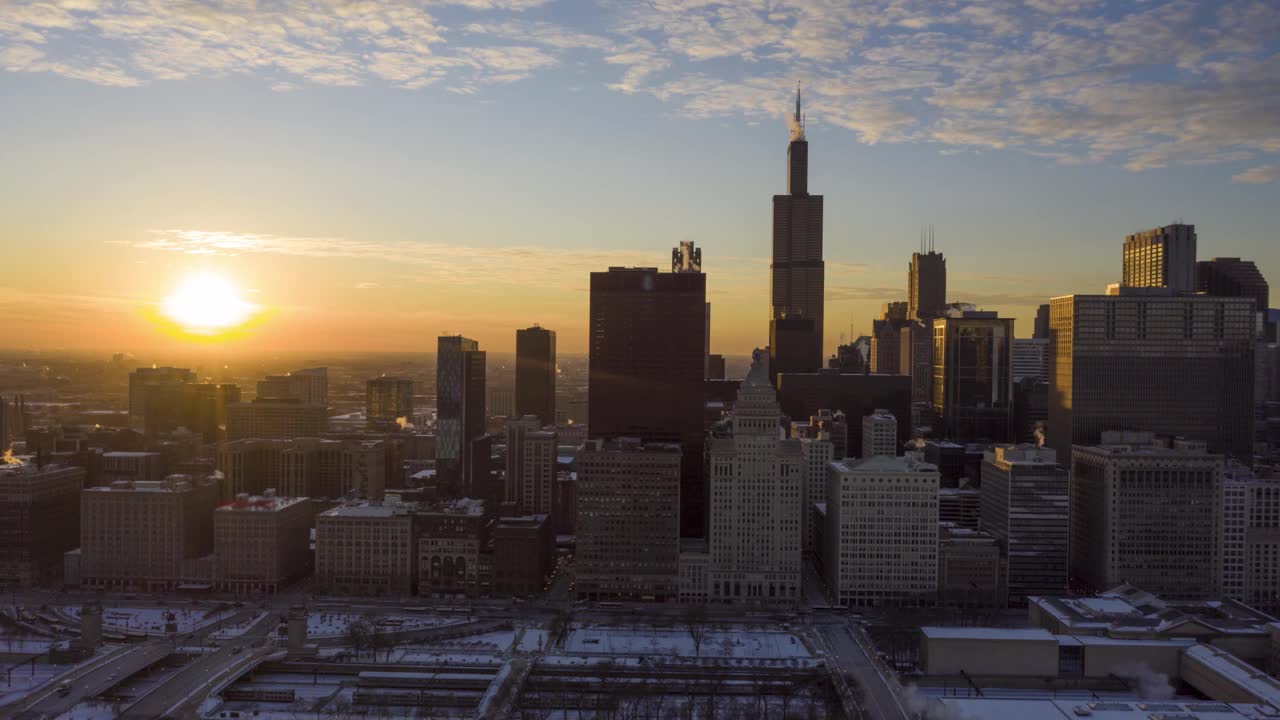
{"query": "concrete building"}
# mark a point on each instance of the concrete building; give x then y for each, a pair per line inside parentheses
(1251, 538)
(882, 532)
(460, 408)
(1024, 496)
(388, 401)
(695, 571)
(531, 466)
(646, 369)
(198, 407)
(815, 454)
(825, 425)
(756, 480)
(523, 554)
(275, 419)
(536, 374)
(961, 506)
(131, 467)
(366, 549)
(500, 401)
(885, 355)
(628, 520)
(1174, 365)
(1147, 515)
(146, 535)
(969, 572)
(796, 269)
(453, 536)
(262, 543)
(988, 651)
(972, 375)
(915, 359)
(309, 386)
(1164, 257)
(879, 434)
(304, 467)
(39, 522)
(1233, 277)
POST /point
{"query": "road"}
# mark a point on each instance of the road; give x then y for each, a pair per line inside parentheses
(879, 698)
(200, 674)
(88, 683)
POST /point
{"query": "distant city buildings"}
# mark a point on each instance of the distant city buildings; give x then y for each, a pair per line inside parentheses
(275, 419)
(879, 434)
(1025, 507)
(530, 466)
(646, 369)
(309, 386)
(142, 379)
(882, 532)
(1147, 515)
(855, 396)
(304, 467)
(628, 520)
(756, 480)
(388, 401)
(536, 374)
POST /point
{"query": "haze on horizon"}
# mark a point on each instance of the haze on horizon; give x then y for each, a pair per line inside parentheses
(366, 176)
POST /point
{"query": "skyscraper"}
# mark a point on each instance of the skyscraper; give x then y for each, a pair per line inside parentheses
(460, 409)
(755, 481)
(536, 374)
(797, 271)
(531, 467)
(1150, 360)
(1161, 257)
(972, 375)
(1025, 507)
(1233, 277)
(645, 371)
(143, 378)
(926, 282)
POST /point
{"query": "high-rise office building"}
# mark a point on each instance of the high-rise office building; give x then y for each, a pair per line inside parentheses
(143, 378)
(1024, 506)
(536, 374)
(972, 375)
(646, 369)
(1173, 365)
(879, 434)
(926, 283)
(885, 355)
(687, 258)
(882, 531)
(146, 535)
(531, 467)
(1162, 257)
(628, 520)
(816, 452)
(1233, 277)
(460, 409)
(198, 407)
(796, 272)
(1251, 538)
(1042, 322)
(755, 482)
(39, 521)
(309, 386)
(806, 395)
(387, 401)
(1147, 515)
(915, 359)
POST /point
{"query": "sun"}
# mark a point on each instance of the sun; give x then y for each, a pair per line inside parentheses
(206, 303)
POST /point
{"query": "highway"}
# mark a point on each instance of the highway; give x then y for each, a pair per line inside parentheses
(95, 680)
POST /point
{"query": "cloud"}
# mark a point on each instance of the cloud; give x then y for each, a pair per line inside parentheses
(1260, 175)
(1144, 85)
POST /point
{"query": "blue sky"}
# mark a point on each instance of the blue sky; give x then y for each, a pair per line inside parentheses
(463, 165)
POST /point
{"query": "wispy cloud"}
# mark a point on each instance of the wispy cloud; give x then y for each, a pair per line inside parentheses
(1260, 175)
(1143, 85)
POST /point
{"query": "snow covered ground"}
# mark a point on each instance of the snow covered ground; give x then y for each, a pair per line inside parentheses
(152, 621)
(22, 680)
(90, 710)
(227, 631)
(677, 641)
(332, 624)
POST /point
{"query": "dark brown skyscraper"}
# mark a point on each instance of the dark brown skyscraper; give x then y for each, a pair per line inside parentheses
(646, 366)
(536, 374)
(1151, 360)
(972, 375)
(797, 271)
(460, 408)
(1233, 277)
(926, 282)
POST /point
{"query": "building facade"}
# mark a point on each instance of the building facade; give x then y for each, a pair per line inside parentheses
(523, 554)
(261, 543)
(388, 400)
(628, 520)
(926, 285)
(275, 419)
(882, 532)
(1163, 257)
(1025, 507)
(454, 535)
(756, 480)
(366, 549)
(460, 409)
(536, 373)
(39, 521)
(972, 375)
(879, 434)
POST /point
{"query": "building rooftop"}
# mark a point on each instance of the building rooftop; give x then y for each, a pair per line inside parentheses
(261, 503)
(986, 633)
(461, 506)
(1127, 610)
(1240, 673)
(369, 510)
(1117, 708)
(885, 464)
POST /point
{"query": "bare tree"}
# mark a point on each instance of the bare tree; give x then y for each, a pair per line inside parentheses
(695, 620)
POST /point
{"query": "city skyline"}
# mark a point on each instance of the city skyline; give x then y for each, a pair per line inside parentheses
(356, 212)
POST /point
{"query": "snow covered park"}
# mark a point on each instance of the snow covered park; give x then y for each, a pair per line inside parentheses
(333, 624)
(152, 621)
(737, 643)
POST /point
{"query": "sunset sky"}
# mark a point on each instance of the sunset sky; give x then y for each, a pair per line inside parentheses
(372, 174)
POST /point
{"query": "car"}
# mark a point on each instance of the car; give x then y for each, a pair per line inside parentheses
(236, 650)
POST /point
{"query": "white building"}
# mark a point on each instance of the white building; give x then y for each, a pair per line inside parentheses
(815, 454)
(756, 482)
(879, 434)
(882, 531)
(1251, 538)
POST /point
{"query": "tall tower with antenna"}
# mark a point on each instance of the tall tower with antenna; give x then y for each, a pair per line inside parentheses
(796, 273)
(926, 280)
